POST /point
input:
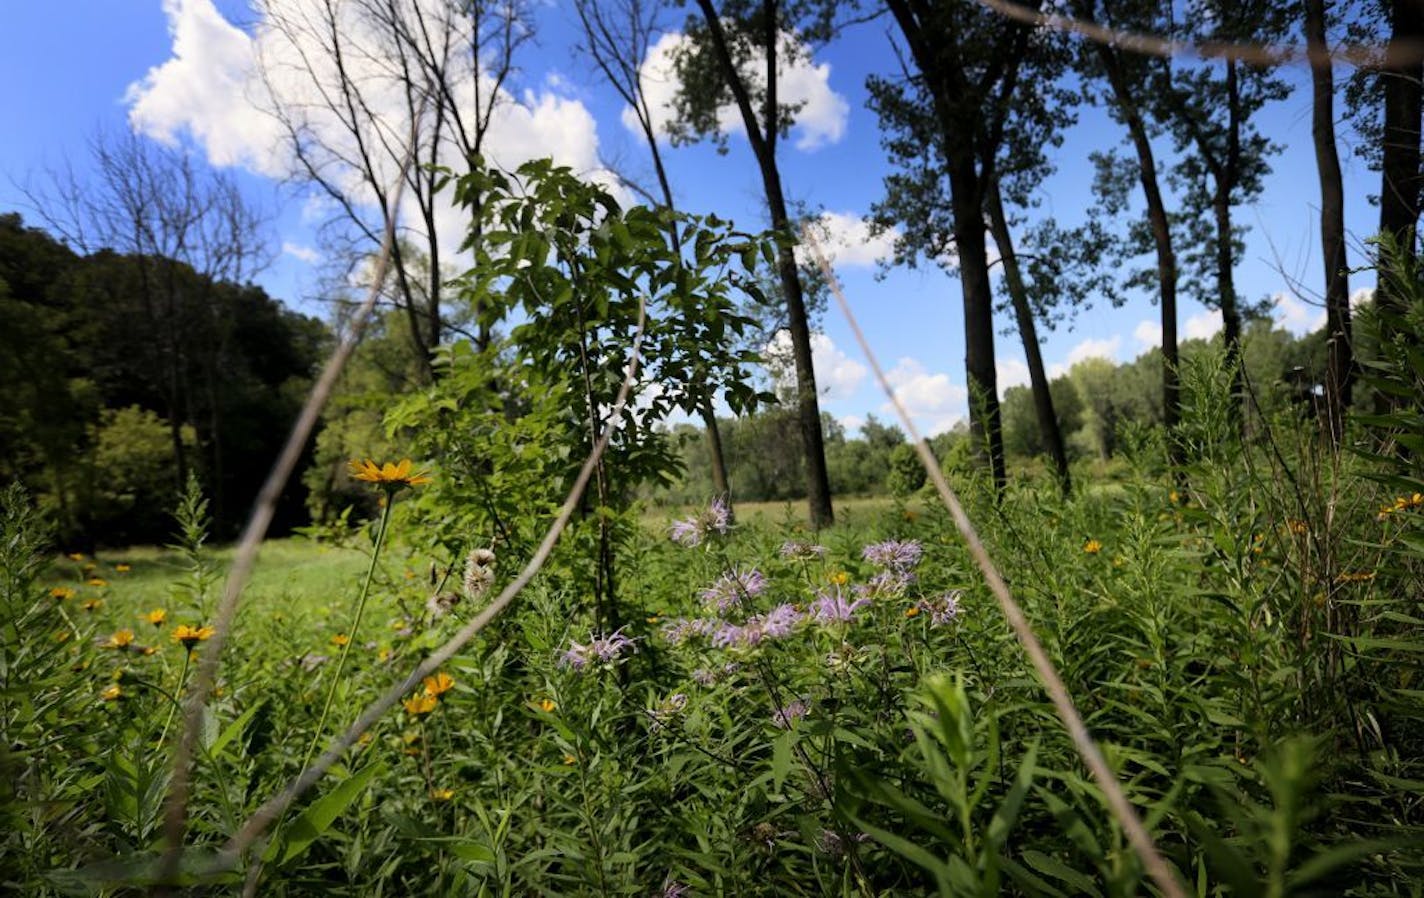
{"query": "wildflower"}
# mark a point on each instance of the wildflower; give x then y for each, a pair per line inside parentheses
(942, 609)
(912, 611)
(739, 636)
(62, 635)
(787, 716)
(442, 794)
(420, 703)
(732, 587)
(895, 554)
(690, 532)
(62, 592)
(796, 550)
(76, 556)
(93, 604)
(97, 582)
(832, 607)
(704, 677)
(1092, 547)
(383, 655)
(121, 640)
(1173, 498)
(89, 567)
(340, 640)
(570, 760)
(479, 572)
(439, 684)
(839, 578)
(679, 630)
(781, 620)
(157, 617)
(191, 636)
(885, 584)
(441, 603)
(112, 694)
(547, 705)
(390, 476)
(122, 568)
(1298, 527)
(833, 843)
(666, 710)
(607, 649)
(672, 889)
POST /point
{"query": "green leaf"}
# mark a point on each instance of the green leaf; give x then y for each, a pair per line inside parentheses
(318, 818)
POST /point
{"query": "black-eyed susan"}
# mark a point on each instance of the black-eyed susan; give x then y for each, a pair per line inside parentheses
(391, 476)
(189, 637)
(839, 578)
(93, 605)
(122, 568)
(76, 556)
(340, 639)
(1092, 547)
(62, 592)
(547, 705)
(422, 703)
(158, 617)
(439, 684)
(112, 694)
(442, 794)
(122, 640)
(97, 582)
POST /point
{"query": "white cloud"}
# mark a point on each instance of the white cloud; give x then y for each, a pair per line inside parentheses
(1105, 348)
(1361, 296)
(1295, 315)
(1202, 326)
(1148, 334)
(304, 253)
(934, 402)
(212, 90)
(845, 238)
(1011, 372)
(821, 118)
(851, 423)
(838, 375)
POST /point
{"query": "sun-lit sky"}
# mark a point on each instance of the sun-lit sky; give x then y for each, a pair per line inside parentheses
(183, 71)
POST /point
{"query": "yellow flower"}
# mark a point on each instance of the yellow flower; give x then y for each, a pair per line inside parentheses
(1299, 528)
(654, 619)
(93, 604)
(420, 704)
(61, 635)
(547, 705)
(112, 694)
(912, 611)
(340, 639)
(439, 684)
(840, 578)
(122, 568)
(1092, 547)
(98, 582)
(89, 567)
(191, 636)
(442, 794)
(62, 593)
(388, 475)
(383, 655)
(157, 617)
(122, 639)
(76, 556)
(570, 760)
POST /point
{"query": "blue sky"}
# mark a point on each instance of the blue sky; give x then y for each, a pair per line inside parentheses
(174, 70)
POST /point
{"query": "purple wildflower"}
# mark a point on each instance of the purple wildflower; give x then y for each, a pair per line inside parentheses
(607, 649)
(732, 587)
(704, 677)
(832, 607)
(739, 636)
(942, 609)
(886, 584)
(672, 889)
(894, 554)
(781, 620)
(686, 533)
(797, 550)
(718, 516)
(692, 531)
(786, 716)
(681, 629)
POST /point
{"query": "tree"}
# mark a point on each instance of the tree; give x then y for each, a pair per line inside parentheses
(720, 53)
(617, 37)
(329, 68)
(1402, 184)
(1129, 101)
(968, 61)
(1340, 374)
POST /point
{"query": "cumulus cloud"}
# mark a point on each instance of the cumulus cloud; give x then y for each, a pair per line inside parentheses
(1105, 348)
(934, 401)
(819, 120)
(213, 90)
(1295, 315)
(303, 253)
(1361, 296)
(838, 375)
(845, 238)
(1202, 326)
(851, 423)
(1148, 334)
(1011, 372)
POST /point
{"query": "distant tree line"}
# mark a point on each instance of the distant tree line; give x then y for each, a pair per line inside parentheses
(124, 372)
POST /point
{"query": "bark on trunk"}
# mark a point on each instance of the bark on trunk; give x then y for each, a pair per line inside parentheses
(1038, 378)
(1399, 191)
(1339, 374)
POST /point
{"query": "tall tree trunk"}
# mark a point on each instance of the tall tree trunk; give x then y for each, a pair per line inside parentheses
(1400, 188)
(984, 423)
(1018, 294)
(818, 484)
(720, 484)
(1340, 371)
(1161, 238)
(1226, 298)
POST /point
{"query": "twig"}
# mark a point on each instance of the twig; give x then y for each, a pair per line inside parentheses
(1118, 804)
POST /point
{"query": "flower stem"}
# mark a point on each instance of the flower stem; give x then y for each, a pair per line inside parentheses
(177, 696)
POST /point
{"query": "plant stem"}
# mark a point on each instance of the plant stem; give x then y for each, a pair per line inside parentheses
(177, 696)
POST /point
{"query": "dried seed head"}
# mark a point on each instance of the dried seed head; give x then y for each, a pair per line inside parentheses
(479, 572)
